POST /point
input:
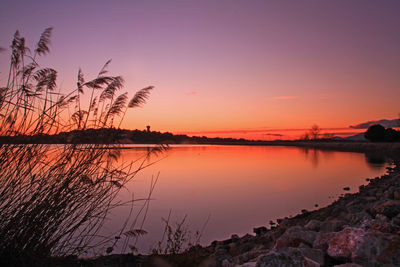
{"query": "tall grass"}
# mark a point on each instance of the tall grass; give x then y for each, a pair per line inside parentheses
(55, 199)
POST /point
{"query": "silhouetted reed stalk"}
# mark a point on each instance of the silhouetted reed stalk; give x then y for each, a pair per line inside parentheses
(54, 198)
(177, 239)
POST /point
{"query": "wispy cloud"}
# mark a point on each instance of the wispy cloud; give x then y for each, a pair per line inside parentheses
(191, 93)
(384, 122)
(285, 97)
(276, 135)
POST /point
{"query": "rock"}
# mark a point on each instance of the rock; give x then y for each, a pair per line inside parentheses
(260, 230)
(313, 225)
(396, 195)
(369, 199)
(396, 220)
(246, 237)
(321, 240)
(381, 218)
(348, 265)
(234, 238)
(388, 194)
(379, 193)
(384, 227)
(249, 256)
(390, 255)
(358, 217)
(332, 225)
(346, 243)
(346, 188)
(389, 208)
(355, 208)
(221, 254)
(226, 263)
(294, 236)
(316, 255)
(359, 246)
(285, 257)
(248, 264)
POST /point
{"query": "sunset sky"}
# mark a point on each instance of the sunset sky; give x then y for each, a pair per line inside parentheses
(227, 66)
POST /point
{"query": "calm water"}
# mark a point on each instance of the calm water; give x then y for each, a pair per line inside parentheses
(239, 187)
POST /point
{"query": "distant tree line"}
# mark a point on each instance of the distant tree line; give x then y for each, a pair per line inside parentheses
(118, 136)
(378, 133)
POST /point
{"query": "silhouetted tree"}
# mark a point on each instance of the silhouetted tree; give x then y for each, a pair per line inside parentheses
(315, 131)
(391, 135)
(375, 133)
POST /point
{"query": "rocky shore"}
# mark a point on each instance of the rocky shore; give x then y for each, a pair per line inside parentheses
(360, 229)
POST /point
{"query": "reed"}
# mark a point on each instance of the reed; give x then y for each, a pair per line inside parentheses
(55, 199)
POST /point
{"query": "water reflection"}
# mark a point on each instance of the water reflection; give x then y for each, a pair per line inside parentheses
(374, 160)
(242, 186)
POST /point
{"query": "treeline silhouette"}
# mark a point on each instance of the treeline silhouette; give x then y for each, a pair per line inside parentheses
(378, 133)
(117, 136)
(375, 133)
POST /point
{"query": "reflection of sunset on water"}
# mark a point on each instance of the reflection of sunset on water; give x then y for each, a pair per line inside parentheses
(243, 186)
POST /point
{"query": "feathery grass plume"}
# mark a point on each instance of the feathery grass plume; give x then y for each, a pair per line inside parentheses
(54, 200)
(81, 81)
(98, 82)
(104, 68)
(45, 79)
(18, 49)
(42, 46)
(140, 97)
(112, 87)
(135, 232)
(118, 105)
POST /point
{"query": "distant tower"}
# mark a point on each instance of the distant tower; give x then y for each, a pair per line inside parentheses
(148, 128)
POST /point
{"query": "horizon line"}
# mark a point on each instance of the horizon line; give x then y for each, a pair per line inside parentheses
(258, 130)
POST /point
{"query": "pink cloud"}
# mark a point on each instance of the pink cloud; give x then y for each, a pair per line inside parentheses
(191, 93)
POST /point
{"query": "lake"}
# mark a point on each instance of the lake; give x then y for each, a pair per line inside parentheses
(232, 189)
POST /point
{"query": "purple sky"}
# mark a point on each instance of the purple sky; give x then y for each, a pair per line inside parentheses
(227, 65)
